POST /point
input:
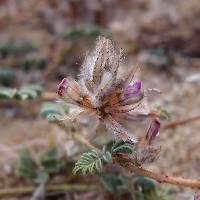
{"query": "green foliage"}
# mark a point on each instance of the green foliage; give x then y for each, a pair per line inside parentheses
(11, 48)
(119, 184)
(159, 53)
(92, 162)
(6, 74)
(95, 31)
(145, 189)
(52, 112)
(27, 167)
(41, 63)
(162, 113)
(122, 147)
(107, 157)
(144, 183)
(41, 176)
(33, 63)
(7, 93)
(27, 64)
(114, 183)
(74, 33)
(28, 92)
(6, 49)
(50, 164)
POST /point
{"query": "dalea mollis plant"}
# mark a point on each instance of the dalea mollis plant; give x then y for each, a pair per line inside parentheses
(100, 94)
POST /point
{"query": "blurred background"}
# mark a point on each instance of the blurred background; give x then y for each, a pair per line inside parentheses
(42, 41)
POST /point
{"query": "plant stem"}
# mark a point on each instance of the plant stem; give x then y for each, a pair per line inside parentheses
(128, 163)
(76, 135)
(180, 122)
(84, 141)
(23, 191)
(192, 183)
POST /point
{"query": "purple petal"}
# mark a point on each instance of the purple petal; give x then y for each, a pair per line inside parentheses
(153, 130)
(132, 90)
(62, 87)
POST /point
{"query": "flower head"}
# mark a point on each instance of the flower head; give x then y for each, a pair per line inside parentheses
(102, 95)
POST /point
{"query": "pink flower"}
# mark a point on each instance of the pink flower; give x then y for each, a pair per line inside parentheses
(101, 95)
(69, 90)
(62, 87)
(153, 130)
(132, 90)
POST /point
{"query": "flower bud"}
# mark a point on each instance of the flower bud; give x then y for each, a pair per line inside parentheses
(132, 93)
(62, 87)
(153, 130)
(69, 90)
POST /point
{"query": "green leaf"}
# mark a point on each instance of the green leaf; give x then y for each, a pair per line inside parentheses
(94, 31)
(159, 53)
(36, 88)
(98, 165)
(25, 93)
(41, 177)
(11, 48)
(145, 183)
(90, 162)
(6, 74)
(27, 166)
(52, 118)
(7, 49)
(7, 93)
(51, 110)
(29, 92)
(162, 113)
(107, 157)
(114, 183)
(122, 147)
(24, 47)
(73, 33)
(33, 63)
(27, 64)
(41, 63)
(52, 162)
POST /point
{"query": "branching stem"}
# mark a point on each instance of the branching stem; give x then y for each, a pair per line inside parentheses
(180, 122)
(128, 164)
(192, 183)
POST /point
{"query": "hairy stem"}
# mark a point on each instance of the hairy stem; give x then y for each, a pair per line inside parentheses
(129, 164)
(22, 191)
(180, 122)
(76, 135)
(192, 183)
(84, 141)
